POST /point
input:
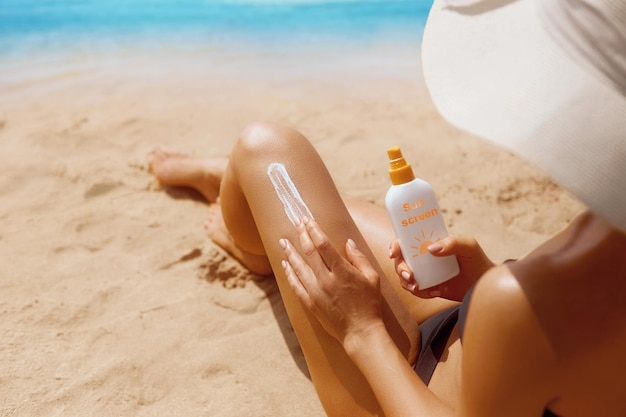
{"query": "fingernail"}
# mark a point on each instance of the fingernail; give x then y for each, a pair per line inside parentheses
(351, 243)
(406, 275)
(282, 243)
(411, 286)
(435, 247)
(305, 220)
(297, 221)
(284, 264)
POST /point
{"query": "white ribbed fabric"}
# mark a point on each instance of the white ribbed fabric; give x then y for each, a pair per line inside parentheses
(593, 32)
(504, 70)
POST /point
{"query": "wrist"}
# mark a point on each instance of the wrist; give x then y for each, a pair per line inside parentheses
(356, 341)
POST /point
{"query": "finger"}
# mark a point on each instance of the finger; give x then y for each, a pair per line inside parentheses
(408, 285)
(401, 267)
(394, 249)
(295, 283)
(406, 276)
(432, 292)
(454, 245)
(331, 257)
(298, 265)
(360, 261)
(404, 271)
(299, 275)
(309, 249)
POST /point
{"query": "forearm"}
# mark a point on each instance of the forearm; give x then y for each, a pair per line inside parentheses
(397, 387)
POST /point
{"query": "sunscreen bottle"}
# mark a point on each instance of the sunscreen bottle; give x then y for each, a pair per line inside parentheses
(417, 222)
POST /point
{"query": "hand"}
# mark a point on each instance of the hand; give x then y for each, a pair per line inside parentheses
(343, 293)
(473, 263)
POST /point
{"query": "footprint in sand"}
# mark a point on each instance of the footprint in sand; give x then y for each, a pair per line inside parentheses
(99, 189)
(193, 254)
(221, 267)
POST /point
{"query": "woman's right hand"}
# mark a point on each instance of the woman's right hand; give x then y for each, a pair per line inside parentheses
(473, 263)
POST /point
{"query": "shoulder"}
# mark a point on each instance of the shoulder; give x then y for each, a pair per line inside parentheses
(507, 358)
(499, 301)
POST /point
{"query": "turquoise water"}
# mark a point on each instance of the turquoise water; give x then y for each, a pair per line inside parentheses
(28, 26)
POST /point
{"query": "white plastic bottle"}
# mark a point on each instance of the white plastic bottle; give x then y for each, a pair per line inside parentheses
(417, 222)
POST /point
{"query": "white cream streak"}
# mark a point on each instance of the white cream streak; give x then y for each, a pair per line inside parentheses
(294, 206)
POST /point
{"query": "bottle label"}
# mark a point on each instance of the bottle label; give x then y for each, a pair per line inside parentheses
(423, 214)
(423, 233)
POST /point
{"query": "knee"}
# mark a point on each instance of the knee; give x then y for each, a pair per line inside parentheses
(265, 138)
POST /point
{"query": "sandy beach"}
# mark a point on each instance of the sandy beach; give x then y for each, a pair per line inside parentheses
(114, 301)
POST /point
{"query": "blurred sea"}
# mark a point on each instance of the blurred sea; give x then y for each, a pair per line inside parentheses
(34, 26)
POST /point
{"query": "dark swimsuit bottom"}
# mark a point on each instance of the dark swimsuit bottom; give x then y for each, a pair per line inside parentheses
(435, 333)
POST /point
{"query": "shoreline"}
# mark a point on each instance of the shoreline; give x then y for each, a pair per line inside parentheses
(336, 63)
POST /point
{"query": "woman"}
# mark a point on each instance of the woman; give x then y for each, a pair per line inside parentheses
(544, 335)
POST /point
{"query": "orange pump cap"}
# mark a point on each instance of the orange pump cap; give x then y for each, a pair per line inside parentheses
(399, 170)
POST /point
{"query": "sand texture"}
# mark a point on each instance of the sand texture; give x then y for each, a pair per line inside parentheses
(114, 302)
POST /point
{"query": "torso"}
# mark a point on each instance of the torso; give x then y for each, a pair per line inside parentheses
(576, 287)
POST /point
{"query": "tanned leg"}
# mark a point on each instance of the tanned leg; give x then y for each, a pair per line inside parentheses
(205, 175)
(256, 220)
(182, 170)
(219, 234)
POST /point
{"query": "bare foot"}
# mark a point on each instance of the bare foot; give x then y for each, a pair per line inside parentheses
(182, 170)
(218, 233)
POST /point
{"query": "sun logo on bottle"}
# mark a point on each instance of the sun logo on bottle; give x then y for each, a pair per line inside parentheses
(424, 243)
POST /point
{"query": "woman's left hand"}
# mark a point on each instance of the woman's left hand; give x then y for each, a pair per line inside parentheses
(343, 293)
